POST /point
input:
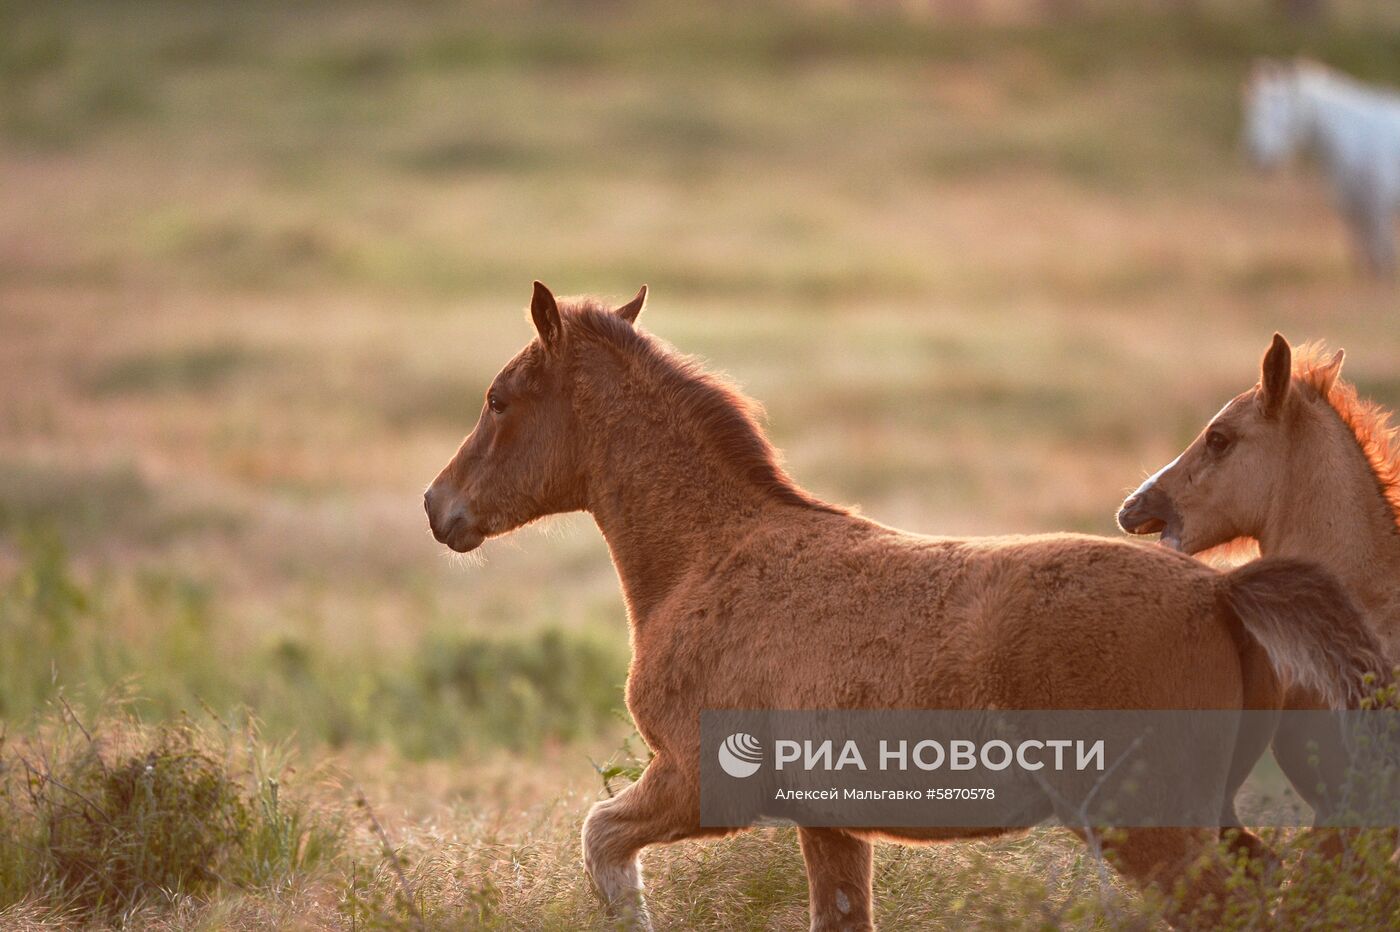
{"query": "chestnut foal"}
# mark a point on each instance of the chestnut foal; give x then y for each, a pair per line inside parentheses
(744, 591)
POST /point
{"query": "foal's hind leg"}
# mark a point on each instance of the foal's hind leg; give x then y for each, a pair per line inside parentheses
(1263, 697)
(1177, 861)
(663, 806)
(1314, 760)
(838, 880)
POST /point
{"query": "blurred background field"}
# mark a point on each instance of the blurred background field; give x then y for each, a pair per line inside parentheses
(984, 263)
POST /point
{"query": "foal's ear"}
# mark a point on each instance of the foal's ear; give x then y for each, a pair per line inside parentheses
(631, 309)
(1277, 376)
(545, 313)
(1327, 375)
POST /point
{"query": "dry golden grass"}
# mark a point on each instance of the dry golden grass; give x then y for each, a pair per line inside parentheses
(257, 263)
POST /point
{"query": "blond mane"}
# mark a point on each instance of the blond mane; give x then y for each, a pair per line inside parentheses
(1369, 422)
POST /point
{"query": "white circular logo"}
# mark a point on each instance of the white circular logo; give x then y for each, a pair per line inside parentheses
(740, 755)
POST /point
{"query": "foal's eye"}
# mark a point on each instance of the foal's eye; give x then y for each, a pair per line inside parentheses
(494, 402)
(1217, 443)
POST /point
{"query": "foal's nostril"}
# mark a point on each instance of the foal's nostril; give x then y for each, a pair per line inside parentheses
(437, 521)
(445, 513)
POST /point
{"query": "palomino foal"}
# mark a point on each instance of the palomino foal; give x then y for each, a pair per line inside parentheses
(745, 592)
(1300, 464)
(1304, 467)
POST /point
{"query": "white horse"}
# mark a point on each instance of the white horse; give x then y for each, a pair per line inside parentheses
(1353, 127)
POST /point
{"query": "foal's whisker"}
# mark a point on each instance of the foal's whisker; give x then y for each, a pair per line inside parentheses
(476, 558)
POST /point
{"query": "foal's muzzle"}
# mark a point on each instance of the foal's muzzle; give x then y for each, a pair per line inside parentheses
(1149, 510)
(450, 521)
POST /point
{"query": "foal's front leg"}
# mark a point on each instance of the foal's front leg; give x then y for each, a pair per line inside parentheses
(839, 867)
(663, 806)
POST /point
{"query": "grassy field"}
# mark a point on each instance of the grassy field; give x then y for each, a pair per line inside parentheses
(258, 262)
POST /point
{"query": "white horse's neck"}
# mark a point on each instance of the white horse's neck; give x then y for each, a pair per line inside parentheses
(1341, 117)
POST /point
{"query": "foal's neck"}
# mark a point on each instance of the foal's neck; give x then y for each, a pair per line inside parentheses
(1334, 513)
(668, 503)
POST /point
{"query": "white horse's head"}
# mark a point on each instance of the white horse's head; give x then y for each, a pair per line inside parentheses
(1273, 113)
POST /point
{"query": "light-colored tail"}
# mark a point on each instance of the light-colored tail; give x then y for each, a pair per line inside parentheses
(1309, 626)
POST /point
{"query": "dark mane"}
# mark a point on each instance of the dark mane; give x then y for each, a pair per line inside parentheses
(721, 411)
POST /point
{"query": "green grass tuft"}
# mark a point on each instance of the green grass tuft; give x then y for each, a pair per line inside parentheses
(99, 821)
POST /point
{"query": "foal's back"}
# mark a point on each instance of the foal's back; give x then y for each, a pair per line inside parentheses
(870, 617)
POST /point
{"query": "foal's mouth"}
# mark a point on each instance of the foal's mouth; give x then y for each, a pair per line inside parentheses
(458, 532)
(1151, 512)
(1146, 526)
(463, 539)
(1171, 537)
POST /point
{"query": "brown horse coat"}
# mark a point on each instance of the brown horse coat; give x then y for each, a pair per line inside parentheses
(743, 591)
